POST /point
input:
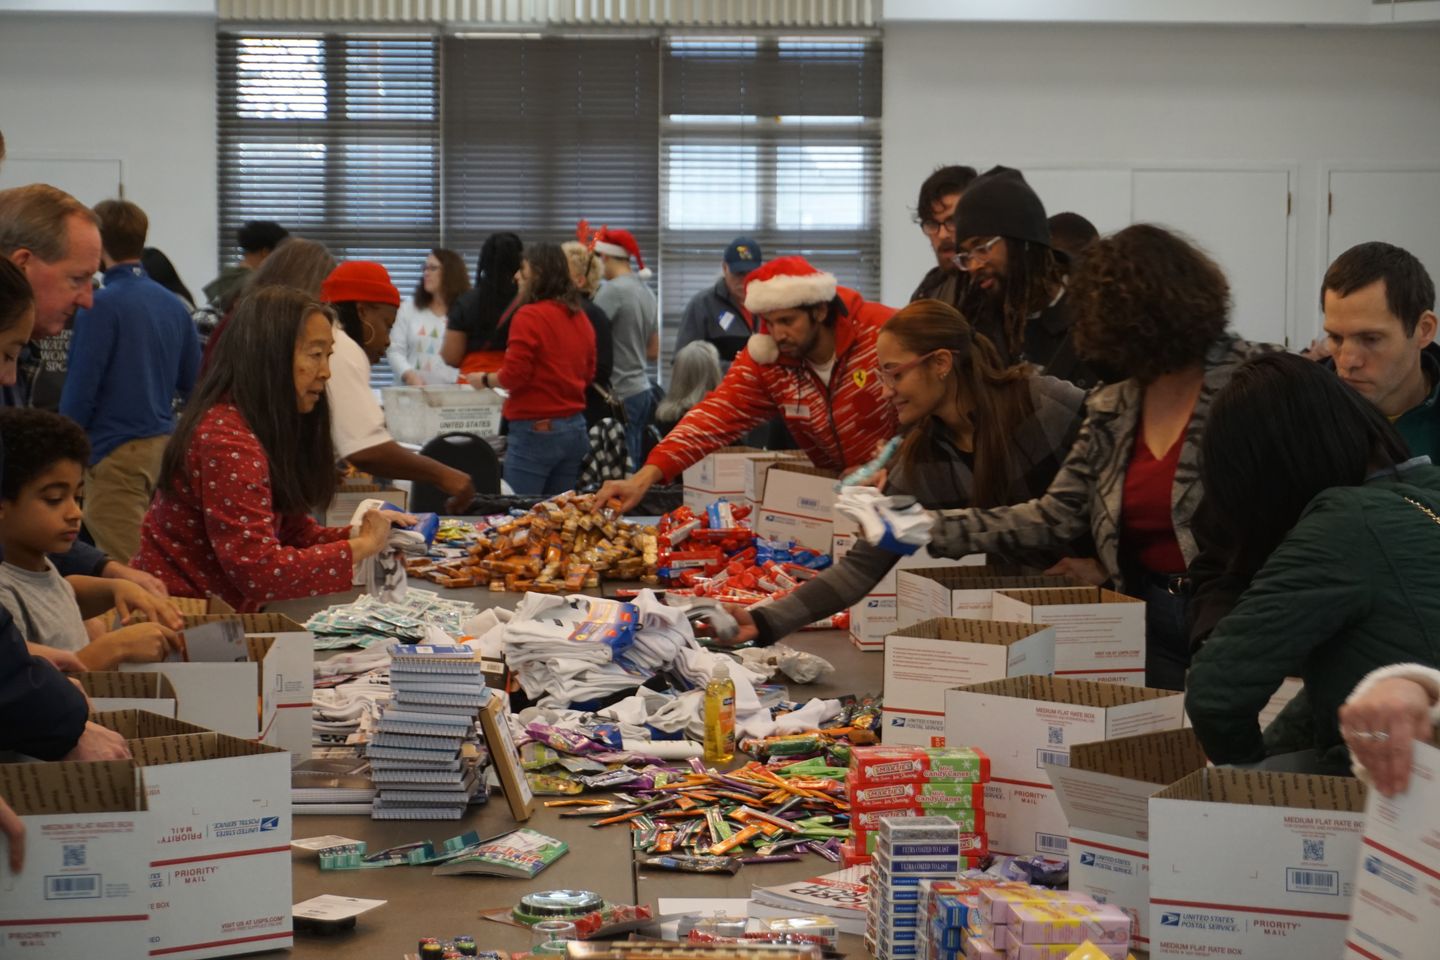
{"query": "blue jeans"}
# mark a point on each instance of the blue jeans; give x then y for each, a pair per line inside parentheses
(545, 462)
(638, 411)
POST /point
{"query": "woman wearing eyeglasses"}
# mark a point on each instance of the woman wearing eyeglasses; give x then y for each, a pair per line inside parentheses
(1152, 311)
(976, 433)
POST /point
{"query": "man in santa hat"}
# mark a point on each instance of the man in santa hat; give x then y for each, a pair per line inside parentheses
(635, 329)
(815, 367)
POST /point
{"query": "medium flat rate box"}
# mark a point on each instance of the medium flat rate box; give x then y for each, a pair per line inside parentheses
(1253, 864)
(1099, 634)
(83, 891)
(115, 690)
(267, 698)
(1023, 723)
(757, 467)
(1397, 887)
(718, 475)
(924, 660)
(799, 505)
(875, 616)
(1105, 795)
(219, 856)
(966, 592)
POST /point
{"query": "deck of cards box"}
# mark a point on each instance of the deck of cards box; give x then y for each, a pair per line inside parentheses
(923, 783)
(908, 850)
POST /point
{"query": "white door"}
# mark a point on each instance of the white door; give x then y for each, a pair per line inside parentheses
(1101, 196)
(1240, 217)
(1402, 208)
(88, 181)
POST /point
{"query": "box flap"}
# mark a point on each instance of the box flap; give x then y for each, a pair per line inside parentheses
(189, 748)
(1088, 693)
(127, 686)
(252, 622)
(141, 724)
(199, 606)
(1163, 757)
(988, 576)
(999, 632)
(1107, 785)
(1052, 596)
(1263, 788)
(104, 786)
(800, 466)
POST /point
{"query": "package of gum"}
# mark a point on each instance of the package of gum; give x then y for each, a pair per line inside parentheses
(880, 764)
(1072, 923)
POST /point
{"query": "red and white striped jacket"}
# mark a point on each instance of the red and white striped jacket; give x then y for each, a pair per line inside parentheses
(838, 426)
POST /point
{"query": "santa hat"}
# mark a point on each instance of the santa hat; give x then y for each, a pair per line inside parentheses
(620, 244)
(783, 284)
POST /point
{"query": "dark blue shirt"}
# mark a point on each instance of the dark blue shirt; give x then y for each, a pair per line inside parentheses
(132, 354)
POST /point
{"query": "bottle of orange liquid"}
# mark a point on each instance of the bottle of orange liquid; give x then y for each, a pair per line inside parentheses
(720, 716)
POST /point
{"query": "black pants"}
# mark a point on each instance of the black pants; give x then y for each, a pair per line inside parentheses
(1167, 634)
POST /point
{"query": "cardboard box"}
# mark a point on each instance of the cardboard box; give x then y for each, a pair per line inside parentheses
(875, 616)
(83, 891)
(757, 467)
(1105, 794)
(924, 660)
(114, 690)
(1252, 864)
(351, 495)
(718, 475)
(267, 698)
(219, 856)
(197, 606)
(1023, 723)
(417, 415)
(1397, 885)
(966, 592)
(1099, 634)
(799, 505)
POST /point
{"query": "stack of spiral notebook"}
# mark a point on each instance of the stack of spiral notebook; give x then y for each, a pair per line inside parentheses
(425, 760)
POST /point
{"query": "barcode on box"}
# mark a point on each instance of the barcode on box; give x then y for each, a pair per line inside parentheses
(1050, 843)
(84, 886)
(1312, 881)
(1043, 757)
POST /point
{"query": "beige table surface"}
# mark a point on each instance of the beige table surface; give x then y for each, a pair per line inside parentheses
(600, 859)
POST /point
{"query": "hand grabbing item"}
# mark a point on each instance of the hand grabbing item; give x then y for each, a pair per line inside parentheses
(897, 524)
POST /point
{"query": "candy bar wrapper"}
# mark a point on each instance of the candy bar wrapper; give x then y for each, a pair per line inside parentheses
(978, 948)
(882, 764)
(1072, 923)
(868, 818)
(1016, 950)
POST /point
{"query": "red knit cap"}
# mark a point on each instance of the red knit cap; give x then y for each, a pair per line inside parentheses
(360, 281)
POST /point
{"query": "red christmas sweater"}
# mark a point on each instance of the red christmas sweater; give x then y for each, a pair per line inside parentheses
(216, 532)
(838, 426)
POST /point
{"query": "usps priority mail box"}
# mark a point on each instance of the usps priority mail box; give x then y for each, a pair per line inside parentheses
(116, 690)
(876, 615)
(1099, 634)
(799, 505)
(965, 591)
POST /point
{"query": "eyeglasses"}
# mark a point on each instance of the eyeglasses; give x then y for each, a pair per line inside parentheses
(965, 258)
(431, 268)
(888, 378)
(932, 228)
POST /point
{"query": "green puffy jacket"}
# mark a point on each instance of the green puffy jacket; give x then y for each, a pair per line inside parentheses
(1354, 586)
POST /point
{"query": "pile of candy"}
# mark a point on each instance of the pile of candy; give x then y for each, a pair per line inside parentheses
(561, 545)
(859, 725)
(369, 620)
(433, 948)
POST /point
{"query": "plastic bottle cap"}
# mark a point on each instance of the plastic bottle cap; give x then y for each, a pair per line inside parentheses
(721, 670)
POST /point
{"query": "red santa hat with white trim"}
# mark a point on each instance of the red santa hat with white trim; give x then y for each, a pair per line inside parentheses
(620, 244)
(783, 284)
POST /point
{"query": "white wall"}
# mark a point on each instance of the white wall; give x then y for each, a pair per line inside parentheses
(1126, 95)
(137, 89)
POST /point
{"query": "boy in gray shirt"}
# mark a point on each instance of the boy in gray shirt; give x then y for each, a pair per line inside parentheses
(635, 326)
(40, 514)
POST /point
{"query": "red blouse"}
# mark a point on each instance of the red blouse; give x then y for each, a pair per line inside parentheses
(1147, 525)
(218, 535)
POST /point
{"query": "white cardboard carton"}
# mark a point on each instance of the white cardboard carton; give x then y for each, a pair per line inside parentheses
(757, 467)
(1105, 794)
(799, 505)
(875, 616)
(1023, 723)
(1398, 883)
(267, 698)
(924, 660)
(114, 690)
(417, 415)
(718, 475)
(1252, 864)
(83, 890)
(966, 592)
(219, 857)
(1099, 634)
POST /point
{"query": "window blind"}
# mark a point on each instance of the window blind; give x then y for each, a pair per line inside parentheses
(775, 138)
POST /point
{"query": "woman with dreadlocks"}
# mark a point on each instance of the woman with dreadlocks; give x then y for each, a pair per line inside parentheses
(1016, 289)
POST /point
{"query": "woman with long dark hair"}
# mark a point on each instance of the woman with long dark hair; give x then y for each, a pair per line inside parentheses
(249, 460)
(1336, 530)
(420, 325)
(977, 433)
(480, 320)
(549, 361)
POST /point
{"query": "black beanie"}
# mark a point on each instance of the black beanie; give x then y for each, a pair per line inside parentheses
(1001, 204)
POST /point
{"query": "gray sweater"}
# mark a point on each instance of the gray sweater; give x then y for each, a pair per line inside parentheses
(634, 319)
(942, 481)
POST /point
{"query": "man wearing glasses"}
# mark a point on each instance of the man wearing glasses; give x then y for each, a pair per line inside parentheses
(935, 212)
(1016, 289)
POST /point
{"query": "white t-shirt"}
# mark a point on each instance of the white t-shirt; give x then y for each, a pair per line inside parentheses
(824, 370)
(356, 420)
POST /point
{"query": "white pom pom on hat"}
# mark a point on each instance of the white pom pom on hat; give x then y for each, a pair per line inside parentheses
(763, 349)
